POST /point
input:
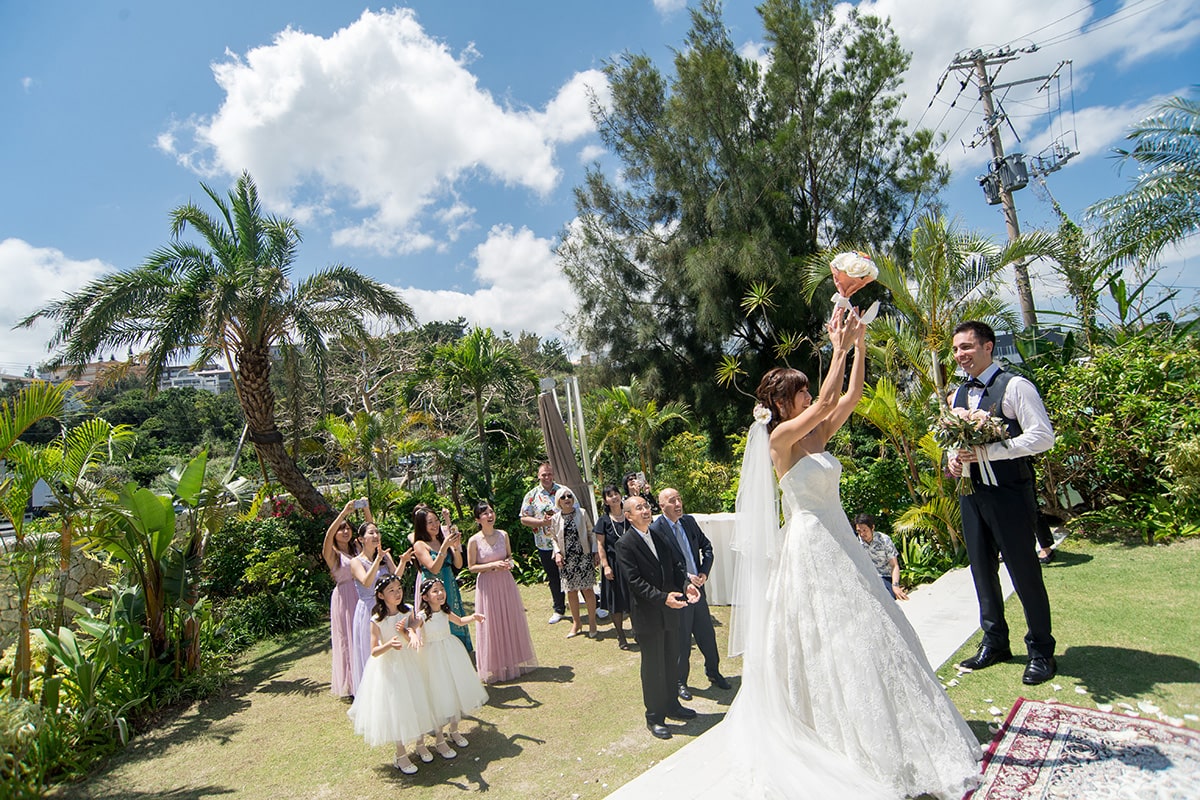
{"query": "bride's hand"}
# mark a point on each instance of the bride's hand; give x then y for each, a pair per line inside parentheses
(843, 329)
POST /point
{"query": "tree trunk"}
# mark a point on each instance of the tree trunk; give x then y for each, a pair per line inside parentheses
(258, 404)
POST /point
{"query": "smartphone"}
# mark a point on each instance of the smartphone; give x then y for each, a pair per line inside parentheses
(360, 503)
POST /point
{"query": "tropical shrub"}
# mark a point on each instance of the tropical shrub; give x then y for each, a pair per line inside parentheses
(1121, 418)
(684, 465)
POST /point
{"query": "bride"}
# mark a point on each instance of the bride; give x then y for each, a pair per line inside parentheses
(837, 698)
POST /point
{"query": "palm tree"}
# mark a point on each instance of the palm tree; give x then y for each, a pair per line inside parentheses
(25, 465)
(482, 366)
(626, 414)
(72, 461)
(1163, 205)
(230, 296)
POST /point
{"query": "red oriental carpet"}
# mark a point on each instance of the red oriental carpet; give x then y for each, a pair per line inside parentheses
(1052, 750)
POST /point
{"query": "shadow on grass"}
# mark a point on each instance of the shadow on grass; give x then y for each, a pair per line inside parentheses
(466, 772)
(190, 793)
(979, 727)
(189, 721)
(1065, 558)
(1116, 672)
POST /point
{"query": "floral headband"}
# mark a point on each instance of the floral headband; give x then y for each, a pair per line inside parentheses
(383, 582)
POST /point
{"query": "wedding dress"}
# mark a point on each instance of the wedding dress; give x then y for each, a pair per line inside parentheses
(837, 698)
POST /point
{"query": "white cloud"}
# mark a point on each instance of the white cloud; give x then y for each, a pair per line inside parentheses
(34, 276)
(521, 287)
(666, 7)
(379, 117)
(27, 84)
(590, 153)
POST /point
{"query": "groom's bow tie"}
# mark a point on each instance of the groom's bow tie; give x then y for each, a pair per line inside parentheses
(974, 383)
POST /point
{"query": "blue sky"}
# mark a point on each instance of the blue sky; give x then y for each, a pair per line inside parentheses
(435, 145)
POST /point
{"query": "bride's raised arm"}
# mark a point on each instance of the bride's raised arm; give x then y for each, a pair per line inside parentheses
(854, 391)
(844, 331)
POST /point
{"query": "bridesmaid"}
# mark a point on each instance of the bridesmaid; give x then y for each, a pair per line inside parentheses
(339, 550)
(439, 552)
(373, 562)
(609, 529)
(505, 647)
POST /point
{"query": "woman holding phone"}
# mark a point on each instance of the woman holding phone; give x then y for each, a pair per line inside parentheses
(438, 550)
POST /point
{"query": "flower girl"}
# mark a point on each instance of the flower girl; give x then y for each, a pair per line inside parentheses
(453, 686)
(392, 703)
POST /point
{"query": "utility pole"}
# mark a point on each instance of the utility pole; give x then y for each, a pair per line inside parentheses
(1020, 269)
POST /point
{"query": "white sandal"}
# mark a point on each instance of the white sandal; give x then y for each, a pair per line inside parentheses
(423, 753)
(458, 739)
(404, 765)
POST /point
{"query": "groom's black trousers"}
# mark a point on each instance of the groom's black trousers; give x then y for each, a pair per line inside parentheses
(1002, 520)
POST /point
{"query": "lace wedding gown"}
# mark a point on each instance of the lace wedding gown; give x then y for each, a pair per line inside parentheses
(837, 701)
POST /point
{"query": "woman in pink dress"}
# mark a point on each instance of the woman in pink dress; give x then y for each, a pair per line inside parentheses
(504, 649)
(339, 550)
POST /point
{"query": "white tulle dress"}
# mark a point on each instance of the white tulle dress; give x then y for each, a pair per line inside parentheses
(837, 701)
(452, 683)
(392, 704)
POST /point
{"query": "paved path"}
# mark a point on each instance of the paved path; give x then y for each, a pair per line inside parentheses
(944, 614)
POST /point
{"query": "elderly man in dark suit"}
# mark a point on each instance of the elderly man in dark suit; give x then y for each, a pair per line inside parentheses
(660, 590)
(696, 550)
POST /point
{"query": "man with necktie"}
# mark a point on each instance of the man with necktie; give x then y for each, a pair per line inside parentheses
(659, 589)
(1001, 519)
(696, 551)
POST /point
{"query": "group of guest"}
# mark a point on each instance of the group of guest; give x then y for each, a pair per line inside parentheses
(576, 548)
(358, 562)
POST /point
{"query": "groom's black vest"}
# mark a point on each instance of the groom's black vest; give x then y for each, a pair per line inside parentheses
(1014, 470)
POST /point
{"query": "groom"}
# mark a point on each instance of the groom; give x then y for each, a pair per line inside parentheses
(1001, 520)
(656, 577)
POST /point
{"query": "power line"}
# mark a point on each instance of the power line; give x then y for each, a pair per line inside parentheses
(1085, 7)
(1129, 12)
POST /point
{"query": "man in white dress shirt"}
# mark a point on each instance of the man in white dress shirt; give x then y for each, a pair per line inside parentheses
(1001, 519)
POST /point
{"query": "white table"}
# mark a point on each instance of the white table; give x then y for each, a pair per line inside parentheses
(719, 530)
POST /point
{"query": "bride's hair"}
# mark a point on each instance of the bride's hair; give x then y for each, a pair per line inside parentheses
(777, 390)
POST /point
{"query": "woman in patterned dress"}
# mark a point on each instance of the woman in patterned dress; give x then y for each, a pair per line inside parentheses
(577, 555)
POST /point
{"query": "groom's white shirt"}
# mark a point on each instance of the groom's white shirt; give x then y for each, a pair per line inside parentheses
(1023, 403)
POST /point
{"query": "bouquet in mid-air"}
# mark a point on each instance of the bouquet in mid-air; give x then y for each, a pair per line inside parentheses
(853, 270)
(966, 429)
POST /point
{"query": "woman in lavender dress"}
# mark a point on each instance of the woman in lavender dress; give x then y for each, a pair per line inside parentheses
(338, 551)
(372, 563)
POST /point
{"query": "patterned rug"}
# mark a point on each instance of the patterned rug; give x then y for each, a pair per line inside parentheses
(1052, 750)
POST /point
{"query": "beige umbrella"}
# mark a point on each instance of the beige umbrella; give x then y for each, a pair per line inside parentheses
(560, 453)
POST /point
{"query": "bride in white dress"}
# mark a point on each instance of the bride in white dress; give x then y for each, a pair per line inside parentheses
(837, 698)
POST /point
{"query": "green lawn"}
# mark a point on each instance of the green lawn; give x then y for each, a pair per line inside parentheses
(1124, 619)
(1126, 623)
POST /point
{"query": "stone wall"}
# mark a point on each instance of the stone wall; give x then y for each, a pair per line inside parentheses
(86, 573)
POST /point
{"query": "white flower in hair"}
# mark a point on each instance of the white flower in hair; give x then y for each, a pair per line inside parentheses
(762, 414)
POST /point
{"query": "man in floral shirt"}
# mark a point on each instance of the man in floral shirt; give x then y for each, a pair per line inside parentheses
(882, 552)
(536, 510)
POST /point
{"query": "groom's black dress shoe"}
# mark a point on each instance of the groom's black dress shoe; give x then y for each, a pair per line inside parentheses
(719, 681)
(659, 730)
(681, 713)
(684, 692)
(986, 656)
(1039, 670)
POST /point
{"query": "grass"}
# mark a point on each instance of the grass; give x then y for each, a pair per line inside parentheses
(1123, 617)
